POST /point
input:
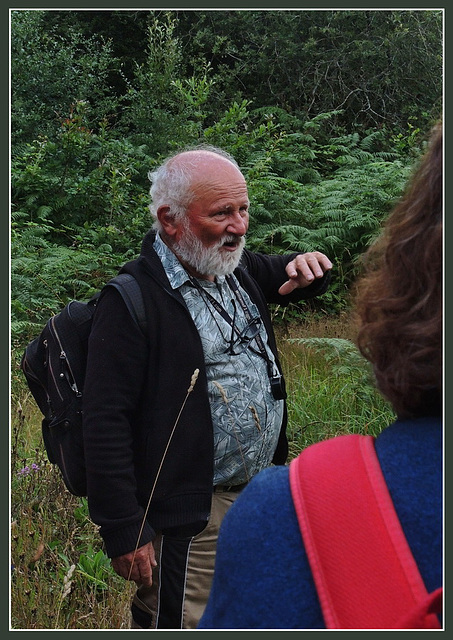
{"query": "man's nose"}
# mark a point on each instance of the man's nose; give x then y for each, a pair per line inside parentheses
(238, 224)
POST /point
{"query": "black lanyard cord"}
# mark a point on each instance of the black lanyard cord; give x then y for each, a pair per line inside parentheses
(277, 381)
(231, 321)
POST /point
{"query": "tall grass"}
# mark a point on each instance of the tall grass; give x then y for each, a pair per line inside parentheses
(60, 576)
(330, 386)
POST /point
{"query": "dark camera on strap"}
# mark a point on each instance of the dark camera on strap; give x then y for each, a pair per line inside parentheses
(278, 387)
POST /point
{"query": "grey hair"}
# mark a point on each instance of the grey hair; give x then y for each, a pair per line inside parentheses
(171, 182)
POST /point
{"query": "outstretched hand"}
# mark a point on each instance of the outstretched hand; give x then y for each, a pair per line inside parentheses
(303, 270)
(142, 570)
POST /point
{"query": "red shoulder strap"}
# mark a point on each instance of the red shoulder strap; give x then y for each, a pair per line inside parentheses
(363, 568)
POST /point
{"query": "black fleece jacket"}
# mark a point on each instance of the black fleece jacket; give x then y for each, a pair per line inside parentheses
(135, 388)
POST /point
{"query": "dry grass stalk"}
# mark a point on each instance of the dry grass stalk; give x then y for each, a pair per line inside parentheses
(255, 417)
(67, 583)
(189, 391)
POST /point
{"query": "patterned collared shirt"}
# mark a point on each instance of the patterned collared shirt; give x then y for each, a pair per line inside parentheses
(246, 417)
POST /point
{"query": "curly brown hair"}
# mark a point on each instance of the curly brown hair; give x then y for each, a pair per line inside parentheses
(398, 300)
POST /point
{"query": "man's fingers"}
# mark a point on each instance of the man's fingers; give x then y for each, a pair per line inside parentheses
(303, 270)
(145, 577)
(137, 565)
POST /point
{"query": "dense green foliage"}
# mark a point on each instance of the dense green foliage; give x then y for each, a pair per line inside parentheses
(381, 68)
(325, 111)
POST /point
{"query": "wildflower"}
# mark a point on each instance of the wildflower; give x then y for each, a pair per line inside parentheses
(25, 471)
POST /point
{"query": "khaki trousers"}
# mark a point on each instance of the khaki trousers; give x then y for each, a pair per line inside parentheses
(183, 576)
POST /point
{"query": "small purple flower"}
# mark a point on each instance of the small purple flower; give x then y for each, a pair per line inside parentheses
(25, 471)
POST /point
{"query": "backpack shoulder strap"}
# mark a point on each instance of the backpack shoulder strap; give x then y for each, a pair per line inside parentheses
(363, 568)
(129, 288)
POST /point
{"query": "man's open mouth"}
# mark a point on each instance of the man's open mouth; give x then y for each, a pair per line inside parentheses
(231, 243)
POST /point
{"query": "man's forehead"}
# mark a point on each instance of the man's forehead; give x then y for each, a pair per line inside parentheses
(226, 189)
(201, 158)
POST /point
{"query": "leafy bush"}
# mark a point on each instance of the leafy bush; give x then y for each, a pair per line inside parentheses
(81, 177)
(45, 275)
(52, 69)
(80, 191)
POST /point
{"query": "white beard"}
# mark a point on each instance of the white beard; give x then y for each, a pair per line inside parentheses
(208, 261)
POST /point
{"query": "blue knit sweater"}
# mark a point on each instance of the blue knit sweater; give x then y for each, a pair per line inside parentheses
(262, 579)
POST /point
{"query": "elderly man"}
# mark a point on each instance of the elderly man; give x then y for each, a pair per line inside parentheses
(177, 423)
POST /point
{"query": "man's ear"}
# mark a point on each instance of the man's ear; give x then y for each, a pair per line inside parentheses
(167, 220)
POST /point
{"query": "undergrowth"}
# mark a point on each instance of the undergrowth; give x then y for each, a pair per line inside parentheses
(60, 576)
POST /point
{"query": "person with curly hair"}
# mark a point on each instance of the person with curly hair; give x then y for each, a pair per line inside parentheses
(264, 577)
(399, 300)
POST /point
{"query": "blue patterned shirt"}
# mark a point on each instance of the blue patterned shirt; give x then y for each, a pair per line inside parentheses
(246, 417)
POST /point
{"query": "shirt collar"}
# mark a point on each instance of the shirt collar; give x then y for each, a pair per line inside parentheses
(176, 273)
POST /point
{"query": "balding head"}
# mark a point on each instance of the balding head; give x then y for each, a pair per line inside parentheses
(174, 183)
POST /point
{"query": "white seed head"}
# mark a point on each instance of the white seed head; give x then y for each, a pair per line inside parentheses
(193, 380)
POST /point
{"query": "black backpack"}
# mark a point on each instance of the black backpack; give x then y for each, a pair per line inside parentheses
(54, 366)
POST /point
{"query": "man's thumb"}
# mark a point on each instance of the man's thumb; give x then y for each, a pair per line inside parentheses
(287, 287)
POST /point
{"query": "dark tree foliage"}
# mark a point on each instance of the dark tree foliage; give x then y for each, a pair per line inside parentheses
(375, 67)
(54, 66)
(378, 67)
(126, 31)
